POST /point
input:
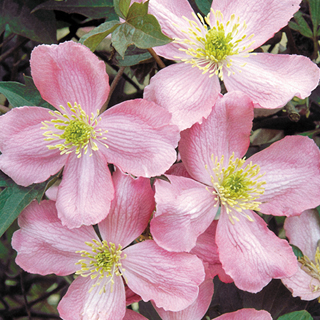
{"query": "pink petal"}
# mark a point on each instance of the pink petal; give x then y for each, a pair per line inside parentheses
(178, 169)
(304, 231)
(168, 89)
(246, 314)
(70, 72)
(131, 315)
(300, 285)
(196, 310)
(281, 77)
(170, 279)
(141, 141)
(221, 134)
(170, 16)
(185, 209)
(251, 254)
(287, 165)
(25, 156)
(207, 250)
(80, 304)
(131, 297)
(263, 18)
(86, 190)
(130, 210)
(44, 246)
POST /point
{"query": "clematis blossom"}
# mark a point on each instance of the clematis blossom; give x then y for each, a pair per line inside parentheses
(44, 246)
(269, 181)
(219, 46)
(37, 143)
(304, 232)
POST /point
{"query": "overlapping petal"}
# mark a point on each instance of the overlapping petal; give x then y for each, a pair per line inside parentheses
(25, 156)
(196, 310)
(207, 250)
(130, 210)
(185, 208)
(139, 137)
(86, 190)
(287, 165)
(44, 246)
(69, 72)
(185, 92)
(294, 76)
(245, 314)
(226, 130)
(80, 304)
(251, 254)
(170, 279)
(131, 315)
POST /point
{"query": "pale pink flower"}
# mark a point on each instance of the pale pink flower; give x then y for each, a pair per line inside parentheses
(36, 143)
(218, 47)
(44, 246)
(304, 232)
(269, 181)
(246, 314)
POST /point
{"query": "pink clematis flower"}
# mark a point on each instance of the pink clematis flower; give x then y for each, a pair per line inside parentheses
(219, 46)
(36, 143)
(246, 314)
(44, 246)
(269, 181)
(304, 232)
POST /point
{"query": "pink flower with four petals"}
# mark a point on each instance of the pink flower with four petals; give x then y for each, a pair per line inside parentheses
(220, 46)
(36, 143)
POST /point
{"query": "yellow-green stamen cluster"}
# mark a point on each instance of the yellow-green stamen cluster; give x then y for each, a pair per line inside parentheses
(212, 51)
(312, 268)
(235, 186)
(103, 261)
(74, 130)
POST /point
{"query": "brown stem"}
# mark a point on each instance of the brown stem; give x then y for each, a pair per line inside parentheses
(24, 296)
(156, 57)
(112, 87)
(9, 52)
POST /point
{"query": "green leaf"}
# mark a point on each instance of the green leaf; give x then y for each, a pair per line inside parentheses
(301, 25)
(204, 6)
(297, 315)
(297, 252)
(14, 198)
(20, 95)
(132, 57)
(318, 209)
(315, 14)
(141, 29)
(94, 9)
(38, 26)
(95, 36)
(121, 7)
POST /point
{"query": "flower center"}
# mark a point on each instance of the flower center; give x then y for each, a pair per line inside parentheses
(103, 262)
(77, 132)
(217, 45)
(236, 187)
(212, 47)
(74, 130)
(312, 268)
